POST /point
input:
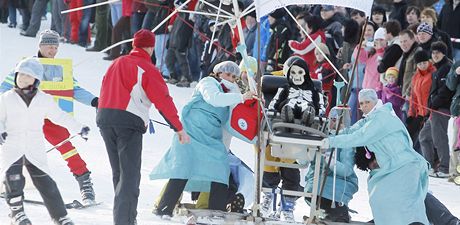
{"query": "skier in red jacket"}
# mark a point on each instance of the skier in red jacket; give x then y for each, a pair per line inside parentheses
(130, 86)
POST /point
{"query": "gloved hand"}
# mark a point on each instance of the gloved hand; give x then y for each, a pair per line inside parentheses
(84, 132)
(95, 102)
(3, 138)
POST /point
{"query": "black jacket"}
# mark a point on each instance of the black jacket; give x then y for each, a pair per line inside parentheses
(399, 13)
(390, 57)
(440, 35)
(449, 21)
(440, 95)
(278, 49)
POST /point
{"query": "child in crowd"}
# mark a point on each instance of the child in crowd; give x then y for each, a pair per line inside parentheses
(392, 92)
(323, 71)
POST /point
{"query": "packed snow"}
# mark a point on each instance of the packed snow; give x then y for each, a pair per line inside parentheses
(89, 68)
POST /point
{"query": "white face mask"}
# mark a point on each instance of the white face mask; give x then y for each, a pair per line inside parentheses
(297, 74)
(233, 87)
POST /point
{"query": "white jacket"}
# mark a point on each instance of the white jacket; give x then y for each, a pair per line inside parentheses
(24, 126)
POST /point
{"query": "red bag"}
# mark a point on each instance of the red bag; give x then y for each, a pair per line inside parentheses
(243, 120)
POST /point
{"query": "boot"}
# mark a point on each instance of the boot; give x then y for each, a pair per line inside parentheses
(237, 204)
(287, 208)
(308, 116)
(287, 114)
(86, 188)
(172, 81)
(65, 220)
(183, 83)
(17, 215)
(266, 203)
(338, 214)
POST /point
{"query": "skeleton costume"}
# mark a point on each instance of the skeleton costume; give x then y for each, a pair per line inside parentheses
(300, 99)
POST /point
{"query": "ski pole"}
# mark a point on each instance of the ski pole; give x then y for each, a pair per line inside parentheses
(62, 142)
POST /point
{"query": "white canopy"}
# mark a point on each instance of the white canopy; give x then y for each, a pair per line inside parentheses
(264, 7)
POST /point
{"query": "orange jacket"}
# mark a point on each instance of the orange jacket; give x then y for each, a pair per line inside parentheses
(420, 92)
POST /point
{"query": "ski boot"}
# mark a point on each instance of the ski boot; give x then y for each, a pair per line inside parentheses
(266, 203)
(86, 188)
(65, 220)
(17, 215)
(287, 208)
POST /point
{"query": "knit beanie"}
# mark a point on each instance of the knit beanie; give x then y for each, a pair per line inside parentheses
(425, 27)
(49, 37)
(421, 56)
(439, 46)
(392, 71)
(380, 33)
(144, 39)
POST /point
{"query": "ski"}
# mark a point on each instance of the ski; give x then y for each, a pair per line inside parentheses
(78, 205)
(75, 204)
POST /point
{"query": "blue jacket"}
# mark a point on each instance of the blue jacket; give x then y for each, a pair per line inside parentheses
(398, 188)
(205, 158)
(346, 180)
(80, 94)
(264, 39)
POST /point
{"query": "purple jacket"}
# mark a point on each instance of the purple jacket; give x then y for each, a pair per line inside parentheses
(392, 93)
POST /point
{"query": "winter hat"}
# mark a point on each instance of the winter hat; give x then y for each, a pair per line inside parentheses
(368, 95)
(323, 48)
(277, 14)
(392, 71)
(252, 65)
(30, 66)
(144, 39)
(421, 56)
(49, 37)
(380, 33)
(439, 46)
(327, 7)
(227, 67)
(425, 27)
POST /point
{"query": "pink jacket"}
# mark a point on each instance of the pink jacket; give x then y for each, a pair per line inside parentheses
(371, 76)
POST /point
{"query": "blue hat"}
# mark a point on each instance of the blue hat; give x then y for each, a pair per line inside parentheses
(425, 27)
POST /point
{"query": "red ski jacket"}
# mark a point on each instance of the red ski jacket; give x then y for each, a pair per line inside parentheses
(130, 86)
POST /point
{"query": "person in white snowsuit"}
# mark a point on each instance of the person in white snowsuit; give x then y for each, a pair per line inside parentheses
(22, 113)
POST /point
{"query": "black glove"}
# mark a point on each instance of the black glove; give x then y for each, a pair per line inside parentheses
(3, 138)
(95, 102)
(84, 132)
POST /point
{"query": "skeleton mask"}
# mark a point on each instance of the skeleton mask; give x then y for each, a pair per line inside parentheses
(297, 75)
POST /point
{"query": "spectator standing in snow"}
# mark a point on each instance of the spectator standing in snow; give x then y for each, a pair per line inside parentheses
(130, 86)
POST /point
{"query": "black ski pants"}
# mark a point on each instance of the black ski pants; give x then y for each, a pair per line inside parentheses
(48, 189)
(174, 189)
(124, 147)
